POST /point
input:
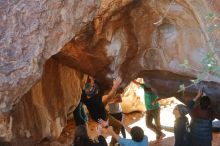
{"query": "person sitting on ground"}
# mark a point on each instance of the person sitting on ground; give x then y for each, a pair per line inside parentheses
(137, 135)
(181, 126)
(201, 120)
(153, 109)
(81, 137)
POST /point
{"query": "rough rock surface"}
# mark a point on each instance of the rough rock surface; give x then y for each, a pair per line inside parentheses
(149, 39)
(43, 111)
(30, 33)
(133, 99)
(105, 39)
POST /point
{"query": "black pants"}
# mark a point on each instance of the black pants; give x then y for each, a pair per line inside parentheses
(118, 116)
(154, 114)
(201, 142)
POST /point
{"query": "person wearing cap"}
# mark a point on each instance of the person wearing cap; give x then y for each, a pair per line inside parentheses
(153, 109)
(181, 126)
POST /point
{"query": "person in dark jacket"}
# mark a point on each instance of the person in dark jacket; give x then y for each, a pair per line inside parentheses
(181, 126)
(82, 138)
(95, 100)
(201, 120)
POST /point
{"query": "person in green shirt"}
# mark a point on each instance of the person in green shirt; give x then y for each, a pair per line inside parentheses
(153, 109)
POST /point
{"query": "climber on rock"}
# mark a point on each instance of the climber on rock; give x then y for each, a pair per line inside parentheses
(95, 100)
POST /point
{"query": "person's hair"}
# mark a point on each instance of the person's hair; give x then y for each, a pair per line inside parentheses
(204, 102)
(137, 134)
(91, 89)
(81, 136)
(147, 88)
(183, 110)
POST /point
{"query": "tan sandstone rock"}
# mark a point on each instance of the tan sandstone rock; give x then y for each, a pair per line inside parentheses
(105, 39)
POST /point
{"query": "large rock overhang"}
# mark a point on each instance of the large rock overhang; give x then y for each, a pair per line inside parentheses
(143, 36)
(148, 39)
(105, 39)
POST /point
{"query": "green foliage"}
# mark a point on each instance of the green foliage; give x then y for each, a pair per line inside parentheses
(211, 28)
(210, 66)
(195, 82)
(215, 70)
(211, 15)
(185, 64)
(181, 88)
(210, 61)
(212, 24)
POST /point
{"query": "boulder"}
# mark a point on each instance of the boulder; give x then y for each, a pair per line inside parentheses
(43, 111)
(133, 99)
(105, 39)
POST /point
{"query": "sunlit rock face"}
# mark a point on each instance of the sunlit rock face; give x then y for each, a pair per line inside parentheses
(153, 35)
(147, 36)
(105, 39)
(133, 99)
(149, 39)
(42, 112)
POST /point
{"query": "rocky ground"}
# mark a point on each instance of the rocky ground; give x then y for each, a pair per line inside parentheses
(132, 119)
